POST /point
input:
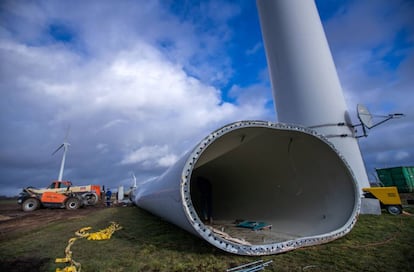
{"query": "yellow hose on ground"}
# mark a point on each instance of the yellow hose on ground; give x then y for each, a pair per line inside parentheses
(104, 234)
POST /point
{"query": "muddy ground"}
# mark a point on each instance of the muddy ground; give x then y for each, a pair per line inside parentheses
(13, 219)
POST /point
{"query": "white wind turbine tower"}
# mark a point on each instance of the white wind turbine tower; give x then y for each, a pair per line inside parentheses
(65, 146)
(135, 181)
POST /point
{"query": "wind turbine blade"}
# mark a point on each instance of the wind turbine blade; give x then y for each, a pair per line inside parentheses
(62, 145)
(67, 134)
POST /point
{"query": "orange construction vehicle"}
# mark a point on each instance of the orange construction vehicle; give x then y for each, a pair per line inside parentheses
(59, 194)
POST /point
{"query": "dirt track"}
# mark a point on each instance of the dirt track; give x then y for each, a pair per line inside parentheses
(13, 219)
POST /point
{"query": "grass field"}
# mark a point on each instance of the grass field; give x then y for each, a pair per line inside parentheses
(147, 243)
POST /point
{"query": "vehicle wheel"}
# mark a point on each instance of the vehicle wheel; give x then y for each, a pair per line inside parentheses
(394, 210)
(91, 199)
(73, 203)
(30, 204)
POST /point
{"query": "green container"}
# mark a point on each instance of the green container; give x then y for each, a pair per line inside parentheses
(402, 177)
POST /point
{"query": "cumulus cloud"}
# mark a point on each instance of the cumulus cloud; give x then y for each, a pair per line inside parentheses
(141, 82)
(151, 156)
(138, 83)
(372, 45)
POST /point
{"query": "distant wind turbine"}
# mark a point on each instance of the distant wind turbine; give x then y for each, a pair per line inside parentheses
(135, 180)
(65, 146)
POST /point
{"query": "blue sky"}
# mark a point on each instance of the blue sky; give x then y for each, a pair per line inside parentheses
(141, 82)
